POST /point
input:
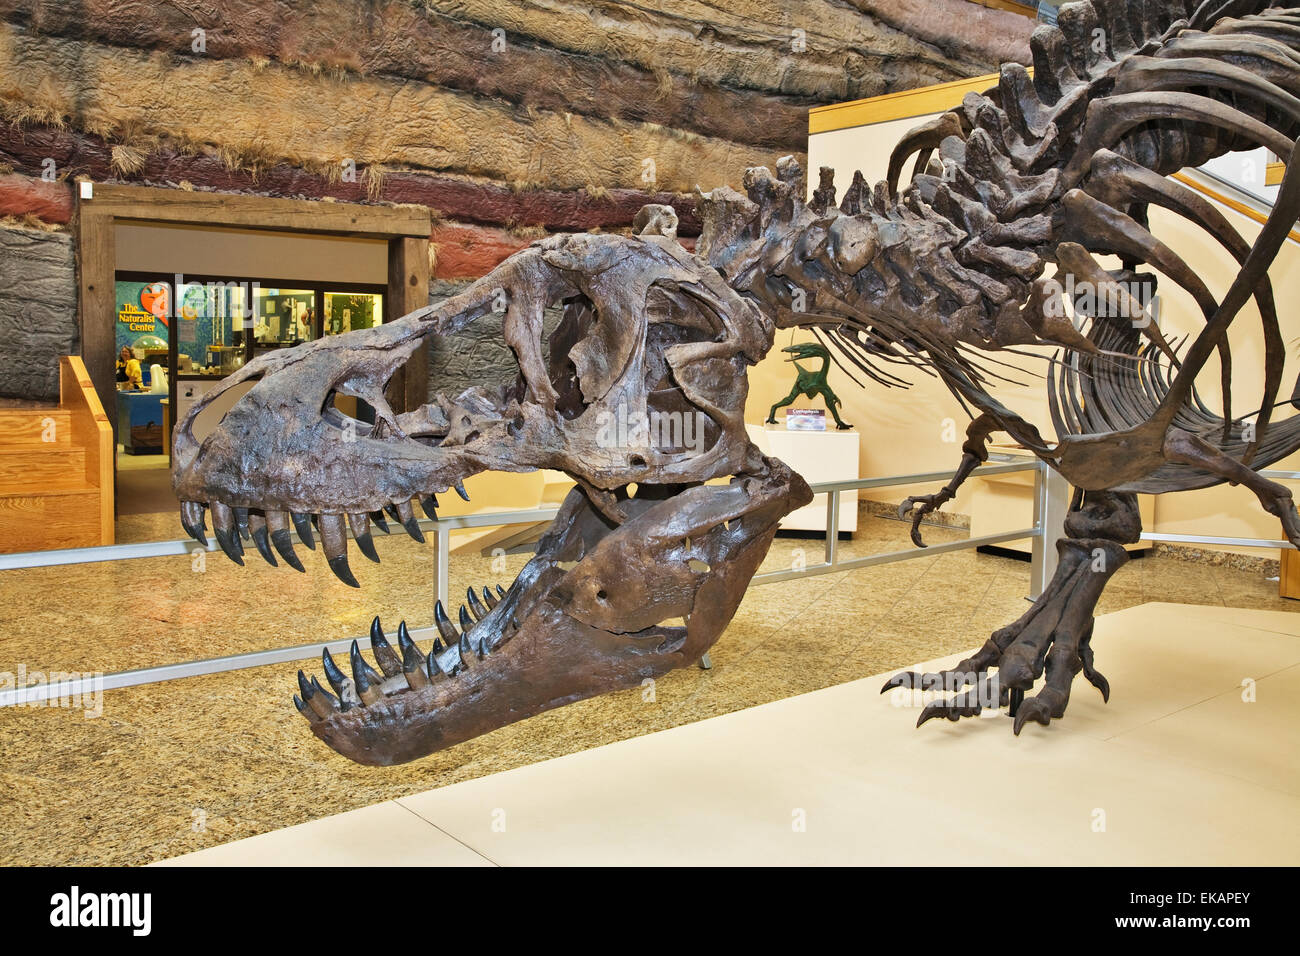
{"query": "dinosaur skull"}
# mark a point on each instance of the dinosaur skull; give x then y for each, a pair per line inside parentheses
(626, 585)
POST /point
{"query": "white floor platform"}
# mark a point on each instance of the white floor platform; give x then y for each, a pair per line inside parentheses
(1177, 769)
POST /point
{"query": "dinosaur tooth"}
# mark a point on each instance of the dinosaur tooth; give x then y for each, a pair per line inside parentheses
(445, 627)
(501, 592)
(391, 509)
(321, 703)
(489, 598)
(460, 490)
(320, 693)
(241, 522)
(437, 646)
(339, 565)
(277, 522)
(282, 541)
(334, 543)
(223, 526)
(192, 521)
(341, 683)
(429, 506)
(365, 677)
(465, 650)
(466, 625)
(332, 673)
(406, 515)
(431, 662)
(476, 605)
(412, 659)
(302, 524)
(454, 659)
(385, 656)
(304, 709)
(404, 639)
(257, 527)
(377, 519)
(360, 525)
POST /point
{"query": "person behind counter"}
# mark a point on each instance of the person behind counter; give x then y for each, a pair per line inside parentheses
(129, 375)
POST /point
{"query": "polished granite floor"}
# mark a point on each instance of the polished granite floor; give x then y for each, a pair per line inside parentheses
(178, 766)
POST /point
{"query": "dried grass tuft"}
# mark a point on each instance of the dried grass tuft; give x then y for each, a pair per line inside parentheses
(31, 223)
(374, 177)
(127, 160)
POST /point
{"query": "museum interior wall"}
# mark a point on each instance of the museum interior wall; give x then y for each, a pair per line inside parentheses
(433, 103)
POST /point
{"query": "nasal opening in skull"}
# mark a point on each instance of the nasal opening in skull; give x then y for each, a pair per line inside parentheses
(213, 407)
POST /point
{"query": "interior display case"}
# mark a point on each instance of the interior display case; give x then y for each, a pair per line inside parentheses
(201, 329)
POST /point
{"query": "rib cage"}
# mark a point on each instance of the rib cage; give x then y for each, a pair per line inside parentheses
(1118, 88)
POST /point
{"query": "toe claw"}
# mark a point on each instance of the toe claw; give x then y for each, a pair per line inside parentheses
(1031, 709)
(908, 679)
(954, 709)
(1098, 681)
(936, 708)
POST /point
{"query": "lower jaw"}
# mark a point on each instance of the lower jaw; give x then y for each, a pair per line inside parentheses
(544, 646)
(538, 670)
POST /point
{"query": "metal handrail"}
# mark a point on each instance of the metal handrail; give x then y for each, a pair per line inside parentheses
(441, 529)
(1051, 494)
(1271, 544)
(1006, 464)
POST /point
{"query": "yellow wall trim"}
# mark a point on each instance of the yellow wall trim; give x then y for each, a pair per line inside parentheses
(892, 106)
(1228, 201)
(1010, 7)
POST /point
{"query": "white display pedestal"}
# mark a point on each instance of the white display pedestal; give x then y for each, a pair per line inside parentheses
(817, 456)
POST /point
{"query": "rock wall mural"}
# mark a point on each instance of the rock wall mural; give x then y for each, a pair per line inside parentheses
(507, 119)
(38, 311)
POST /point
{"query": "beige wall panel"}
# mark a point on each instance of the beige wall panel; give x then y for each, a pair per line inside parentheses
(158, 247)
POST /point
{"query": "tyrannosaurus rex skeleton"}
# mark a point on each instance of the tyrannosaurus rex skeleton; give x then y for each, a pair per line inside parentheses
(1054, 169)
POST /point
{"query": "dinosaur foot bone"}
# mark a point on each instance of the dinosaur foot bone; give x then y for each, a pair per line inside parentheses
(1053, 638)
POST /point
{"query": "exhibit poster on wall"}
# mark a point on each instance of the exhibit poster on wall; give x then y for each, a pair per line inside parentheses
(143, 316)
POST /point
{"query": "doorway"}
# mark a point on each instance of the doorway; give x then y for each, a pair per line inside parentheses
(193, 286)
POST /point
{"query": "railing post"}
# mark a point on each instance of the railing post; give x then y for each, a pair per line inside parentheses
(1051, 501)
(832, 525)
(442, 540)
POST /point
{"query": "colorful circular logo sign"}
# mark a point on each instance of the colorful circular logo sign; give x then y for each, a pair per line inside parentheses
(153, 299)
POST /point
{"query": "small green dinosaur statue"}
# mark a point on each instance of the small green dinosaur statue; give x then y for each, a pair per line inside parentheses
(810, 383)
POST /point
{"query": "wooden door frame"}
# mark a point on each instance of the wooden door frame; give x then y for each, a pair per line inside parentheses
(405, 228)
